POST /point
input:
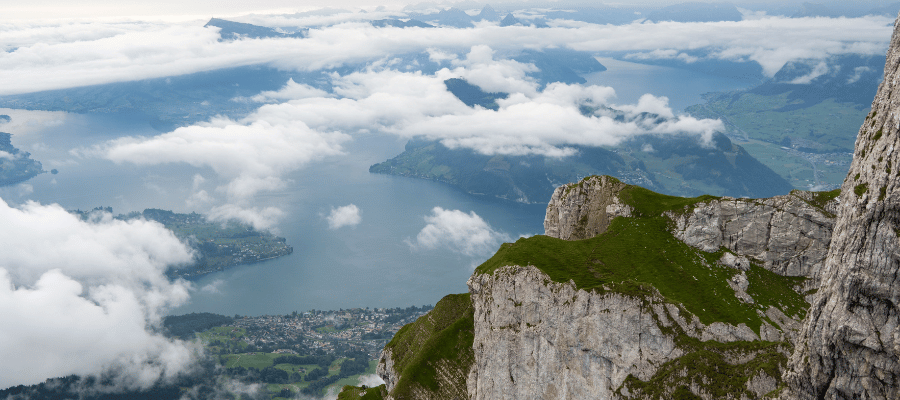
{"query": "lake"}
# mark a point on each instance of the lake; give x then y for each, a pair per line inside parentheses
(368, 265)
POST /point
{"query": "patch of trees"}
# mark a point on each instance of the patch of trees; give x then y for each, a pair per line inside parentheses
(185, 325)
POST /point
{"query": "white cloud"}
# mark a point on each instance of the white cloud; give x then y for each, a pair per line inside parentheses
(465, 233)
(54, 56)
(79, 297)
(344, 216)
(858, 73)
(820, 69)
(253, 154)
(372, 380)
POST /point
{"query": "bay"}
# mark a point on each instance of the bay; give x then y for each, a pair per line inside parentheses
(376, 263)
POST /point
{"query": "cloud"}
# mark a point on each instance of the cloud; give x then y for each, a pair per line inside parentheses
(372, 380)
(820, 69)
(213, 287)
(82, 297)
(253, 154)
(62, 55)
(344, 216)
(858, 73)
(464, 233)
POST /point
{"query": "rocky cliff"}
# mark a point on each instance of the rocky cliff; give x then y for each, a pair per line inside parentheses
(849, 345)
(633, 294)
(651, 296)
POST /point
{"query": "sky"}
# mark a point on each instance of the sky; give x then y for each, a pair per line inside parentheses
(174, 10)
(105, 278)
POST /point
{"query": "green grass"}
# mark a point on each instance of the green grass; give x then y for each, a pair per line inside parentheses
(708, 367)
(651, 204)
(820, 199)
(358, 393)
(247, 360)
(327, 329)
(444, 335)
(636, 255)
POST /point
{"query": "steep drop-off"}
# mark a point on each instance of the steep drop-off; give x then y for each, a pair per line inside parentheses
(627, 307)
(849, 345)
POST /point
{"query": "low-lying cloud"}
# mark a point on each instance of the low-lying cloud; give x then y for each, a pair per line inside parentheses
(54, 56)
(465, 233)
(82, 297)
(344, 216)
(253, 154)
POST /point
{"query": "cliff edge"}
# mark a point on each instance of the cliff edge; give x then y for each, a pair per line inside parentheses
(849, 345)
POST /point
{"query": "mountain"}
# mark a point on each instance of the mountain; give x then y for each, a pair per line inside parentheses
(472, 95)
(16, 166)
(167, 103)
(560, 65)
(671, 164)
(630, 294)
(452, 17)
(412, 23)
(633, 294)
(510, 20)
(487, 14)
(802, 122)
(849, 344)
(230, 30)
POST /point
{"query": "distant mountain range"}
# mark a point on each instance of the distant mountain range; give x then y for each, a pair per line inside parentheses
(675, 165)
(230, 30)
(803, 122)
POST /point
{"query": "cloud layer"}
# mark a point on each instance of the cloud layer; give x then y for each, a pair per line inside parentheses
(300, 124)
(81, 297)
(54, 56)
(456, 230)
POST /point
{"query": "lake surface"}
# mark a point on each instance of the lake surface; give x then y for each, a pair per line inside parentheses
(369, 265)
(683, 87)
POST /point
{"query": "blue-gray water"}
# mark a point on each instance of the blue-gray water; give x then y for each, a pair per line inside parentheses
(369, 265)
(683, 87)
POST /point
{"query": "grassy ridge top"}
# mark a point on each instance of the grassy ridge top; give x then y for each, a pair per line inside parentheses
(637, 254)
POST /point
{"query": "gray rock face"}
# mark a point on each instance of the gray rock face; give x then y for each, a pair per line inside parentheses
(539, 339)
(849, 345)
(385, 370)
(584, 210)
(787, 234)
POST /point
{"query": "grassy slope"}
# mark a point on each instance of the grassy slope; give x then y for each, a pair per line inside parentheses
(445, 334)
(638, 254)
(828, 126)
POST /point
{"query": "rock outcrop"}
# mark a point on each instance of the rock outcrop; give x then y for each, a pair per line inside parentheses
(585, 209)
(849, 345)
(538, 339)
(787, 234)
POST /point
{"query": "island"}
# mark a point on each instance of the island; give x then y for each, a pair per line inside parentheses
(218, 245)
(16, 166)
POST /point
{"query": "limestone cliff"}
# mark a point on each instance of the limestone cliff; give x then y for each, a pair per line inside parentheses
(849, 344)
(634, 305)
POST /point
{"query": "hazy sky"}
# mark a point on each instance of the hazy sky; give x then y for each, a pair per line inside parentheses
(190, 9)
